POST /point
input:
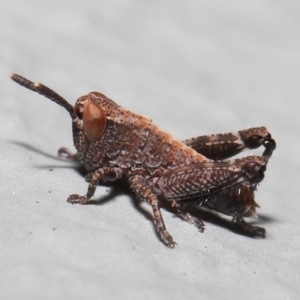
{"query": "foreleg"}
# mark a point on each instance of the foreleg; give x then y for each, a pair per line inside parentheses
(94, 179)
(66, 153)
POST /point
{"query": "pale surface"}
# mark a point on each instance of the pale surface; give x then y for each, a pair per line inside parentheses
(195, 67)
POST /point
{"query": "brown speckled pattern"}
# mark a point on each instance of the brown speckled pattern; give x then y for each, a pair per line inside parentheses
(156, 164)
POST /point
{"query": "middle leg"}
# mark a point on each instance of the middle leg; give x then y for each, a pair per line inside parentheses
(144, 192)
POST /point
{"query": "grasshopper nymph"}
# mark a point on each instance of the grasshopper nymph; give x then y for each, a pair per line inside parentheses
(113, 142)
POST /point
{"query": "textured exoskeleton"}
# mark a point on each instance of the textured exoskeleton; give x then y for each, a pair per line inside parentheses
(113, 142)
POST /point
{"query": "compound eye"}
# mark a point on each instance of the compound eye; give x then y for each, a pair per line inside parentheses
(94, 121)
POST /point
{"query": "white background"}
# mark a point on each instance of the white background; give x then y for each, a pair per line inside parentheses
(194, 67)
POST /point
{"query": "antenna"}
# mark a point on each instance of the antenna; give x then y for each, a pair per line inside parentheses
(45, 91)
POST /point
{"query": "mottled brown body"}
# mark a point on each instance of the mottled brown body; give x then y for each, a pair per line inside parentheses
(113, 142)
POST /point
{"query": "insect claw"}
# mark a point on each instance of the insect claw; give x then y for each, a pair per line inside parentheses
(77, 199)
(170, 243)
(191, 220)
(249, 229)
(66, 153)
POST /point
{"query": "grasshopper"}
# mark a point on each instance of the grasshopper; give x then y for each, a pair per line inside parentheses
(113, 142)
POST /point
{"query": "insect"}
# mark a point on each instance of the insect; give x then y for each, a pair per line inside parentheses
(113, 142)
